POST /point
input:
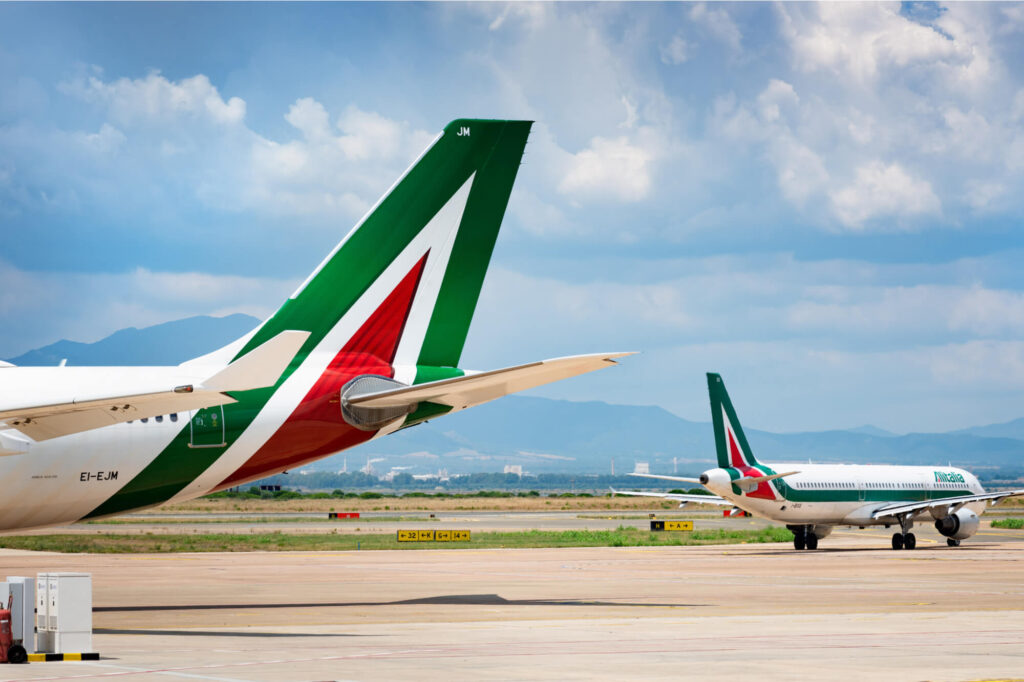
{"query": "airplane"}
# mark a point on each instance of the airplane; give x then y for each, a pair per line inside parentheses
(812, 499)
(367, 345)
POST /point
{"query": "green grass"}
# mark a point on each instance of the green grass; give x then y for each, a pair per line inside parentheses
(1008, 523)
(144, 544)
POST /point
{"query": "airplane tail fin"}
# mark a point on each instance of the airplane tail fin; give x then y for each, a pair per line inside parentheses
(401, 287)
(730, 442)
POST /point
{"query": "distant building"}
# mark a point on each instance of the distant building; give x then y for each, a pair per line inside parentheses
(516, 469)
(642, 468)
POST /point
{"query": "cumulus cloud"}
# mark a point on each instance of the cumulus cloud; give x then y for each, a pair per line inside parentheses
(330, 171)
(863, 41)
(155, 98)
(883, 190)
(614, 168)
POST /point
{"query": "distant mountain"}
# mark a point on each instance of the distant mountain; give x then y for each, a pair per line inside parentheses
(873, 431)
(164, 344)
(548, 436)
(1011, 429)
(558, 436)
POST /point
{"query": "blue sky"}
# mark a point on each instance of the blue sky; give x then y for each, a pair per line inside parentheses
(821, 202)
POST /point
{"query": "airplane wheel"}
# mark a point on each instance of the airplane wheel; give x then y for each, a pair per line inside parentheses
(952, 543)
(812, 541)
(909, 541)
(897, 540)
(798, 540)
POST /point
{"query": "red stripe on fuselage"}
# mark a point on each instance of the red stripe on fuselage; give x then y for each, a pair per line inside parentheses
(316, 428)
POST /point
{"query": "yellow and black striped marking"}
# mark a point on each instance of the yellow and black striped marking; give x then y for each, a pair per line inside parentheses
(52, 658)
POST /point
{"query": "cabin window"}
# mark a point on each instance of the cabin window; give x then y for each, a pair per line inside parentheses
(159, 419)
(174, 416)
(144, 420)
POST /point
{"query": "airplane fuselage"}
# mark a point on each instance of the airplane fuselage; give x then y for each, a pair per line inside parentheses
(841, 494)
(177, 456)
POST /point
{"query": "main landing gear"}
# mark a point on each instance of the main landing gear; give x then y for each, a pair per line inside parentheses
(904, 539)
(804, 537)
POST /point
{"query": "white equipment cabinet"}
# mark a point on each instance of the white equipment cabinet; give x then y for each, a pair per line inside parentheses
(67, 600)
(44, 638)
(23, 609)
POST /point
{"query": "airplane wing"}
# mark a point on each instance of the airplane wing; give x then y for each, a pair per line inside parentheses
(954, 502)
(678, 497)
(91, 408)
(481, 387)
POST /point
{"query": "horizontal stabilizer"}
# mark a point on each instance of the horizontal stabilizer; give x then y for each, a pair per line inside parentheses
(677, 497)
(481, 387)
(90, 399)
(259, 367)
(684, 479)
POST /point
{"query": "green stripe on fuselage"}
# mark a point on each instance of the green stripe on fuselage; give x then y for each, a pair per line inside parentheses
(791, 494)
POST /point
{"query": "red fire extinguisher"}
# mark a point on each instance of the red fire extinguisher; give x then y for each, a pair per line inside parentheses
(9, 651)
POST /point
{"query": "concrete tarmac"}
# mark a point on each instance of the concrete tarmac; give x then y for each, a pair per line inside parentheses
(852, 610)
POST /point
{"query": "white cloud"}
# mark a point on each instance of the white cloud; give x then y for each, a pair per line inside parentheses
(368, 135)
(154, 97)
(883, 190)
(310, 118)
(719, 24)
(676, 51)
(779, 95)
(185, 128)
(610, 168)
(982, 195)
(862, 40)
(108, 140)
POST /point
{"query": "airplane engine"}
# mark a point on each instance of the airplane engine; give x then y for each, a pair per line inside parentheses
(371, 418)
(959, 525)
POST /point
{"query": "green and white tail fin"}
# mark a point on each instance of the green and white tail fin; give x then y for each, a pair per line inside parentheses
(414, 265)
(730, 443)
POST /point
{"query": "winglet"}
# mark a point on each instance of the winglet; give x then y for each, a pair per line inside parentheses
(261, 366)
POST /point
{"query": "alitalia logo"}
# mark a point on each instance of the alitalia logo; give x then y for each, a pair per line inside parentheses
(942, 477)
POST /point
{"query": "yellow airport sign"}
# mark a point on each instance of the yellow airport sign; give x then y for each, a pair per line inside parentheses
(433, 536)
(679, 525)
(657, 524)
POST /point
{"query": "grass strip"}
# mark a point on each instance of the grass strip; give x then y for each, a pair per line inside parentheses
(319, 518)
(1008, 523)
(287, 542)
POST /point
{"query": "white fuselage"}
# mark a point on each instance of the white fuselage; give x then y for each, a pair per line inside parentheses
(845, 494)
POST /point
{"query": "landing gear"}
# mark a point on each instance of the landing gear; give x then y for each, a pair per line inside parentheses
(904, 539)
(804, 537)
(952, 543)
